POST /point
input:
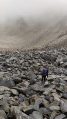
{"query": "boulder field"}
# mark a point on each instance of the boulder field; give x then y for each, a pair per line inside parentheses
(23, 95)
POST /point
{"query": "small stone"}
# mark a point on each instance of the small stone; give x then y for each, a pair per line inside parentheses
(14, 92)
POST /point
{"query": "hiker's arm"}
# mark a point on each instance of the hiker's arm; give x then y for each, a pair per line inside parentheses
(47, 73)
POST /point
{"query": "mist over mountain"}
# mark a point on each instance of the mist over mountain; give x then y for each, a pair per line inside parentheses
(33, 24)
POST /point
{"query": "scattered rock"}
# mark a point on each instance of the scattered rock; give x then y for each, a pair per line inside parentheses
(23, 95)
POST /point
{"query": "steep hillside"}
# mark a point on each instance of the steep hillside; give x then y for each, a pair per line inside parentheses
(28, 35)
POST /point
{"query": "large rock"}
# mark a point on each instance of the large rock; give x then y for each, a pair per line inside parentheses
(6, 65)
(7, 83)
(37, 115)
(4, 89)
(12, 59)
(59, 60)
(17, 80)
(63, 106)
(26, 83)
(65, 72)
(54, 107)
(4, 106)
(21, 90)
(62, 116)
(44, 111)
(65, 65)
(19, 115)
(48, 57)
(12, 101)
(45, 103)
(47, 91)
(38, 88)
(2, 74)
(2, 117)
(14, 92)
(3, 114)
(56, 96)
(53, 115)
(31, 75)
(53, 76)
(65, 59)
(64, 95)
(28, 110)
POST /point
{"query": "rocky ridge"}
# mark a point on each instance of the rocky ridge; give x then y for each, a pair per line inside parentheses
(22, 94)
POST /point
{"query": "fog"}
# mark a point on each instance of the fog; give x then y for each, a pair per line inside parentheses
(40, 22)
(32, 9)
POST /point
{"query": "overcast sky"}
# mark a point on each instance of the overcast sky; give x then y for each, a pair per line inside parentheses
(31, 8)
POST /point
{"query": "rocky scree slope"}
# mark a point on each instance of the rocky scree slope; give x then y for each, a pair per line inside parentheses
(21, 34)
(22, 94)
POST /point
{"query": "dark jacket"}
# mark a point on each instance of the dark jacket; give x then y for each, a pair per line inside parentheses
(45, 72)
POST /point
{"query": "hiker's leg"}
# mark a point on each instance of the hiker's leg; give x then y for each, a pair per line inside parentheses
(44, 79)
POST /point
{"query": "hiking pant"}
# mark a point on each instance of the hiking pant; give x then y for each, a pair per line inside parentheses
(43, 79)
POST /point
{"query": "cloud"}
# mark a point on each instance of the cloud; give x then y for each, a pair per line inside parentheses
(32, 8)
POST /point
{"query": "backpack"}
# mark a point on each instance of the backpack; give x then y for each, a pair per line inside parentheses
(44, 72)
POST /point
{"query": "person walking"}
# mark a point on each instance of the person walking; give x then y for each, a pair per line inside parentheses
(44, 74)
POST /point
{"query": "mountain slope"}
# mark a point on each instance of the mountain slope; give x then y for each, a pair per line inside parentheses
(25, 35)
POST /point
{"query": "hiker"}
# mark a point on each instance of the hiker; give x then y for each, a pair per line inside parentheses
(44, 74)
